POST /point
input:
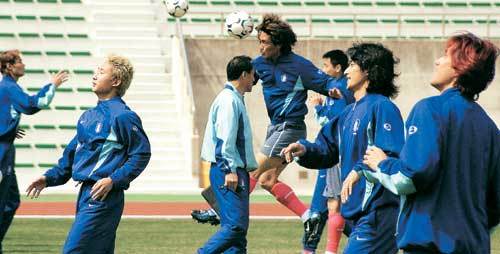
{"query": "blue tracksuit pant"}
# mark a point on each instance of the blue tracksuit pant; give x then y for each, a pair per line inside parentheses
(96, 222)
(234, 213)
(9, 191)
(319, 203)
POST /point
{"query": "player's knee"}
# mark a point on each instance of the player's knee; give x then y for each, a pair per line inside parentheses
(267, 182)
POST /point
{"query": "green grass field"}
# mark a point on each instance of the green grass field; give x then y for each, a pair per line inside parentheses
(44, 236)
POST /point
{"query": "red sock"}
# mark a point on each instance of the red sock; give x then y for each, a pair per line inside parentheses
(285, 195)
(335, 228)
(253, 183)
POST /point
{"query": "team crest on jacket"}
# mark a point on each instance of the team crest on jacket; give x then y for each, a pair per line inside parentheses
(283, 78)
(98, 127)
(387, 126)
(412, 130)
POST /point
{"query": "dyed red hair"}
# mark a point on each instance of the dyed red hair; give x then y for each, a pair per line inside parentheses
(474, 61)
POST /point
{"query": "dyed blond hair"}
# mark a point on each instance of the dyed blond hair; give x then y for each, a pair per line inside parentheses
(122, 71)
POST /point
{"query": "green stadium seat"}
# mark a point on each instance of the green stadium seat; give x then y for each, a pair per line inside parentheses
(5, 17)
(29, 35)
(220, 2)
(86, 107)
(320, 20)
(433, 4)
(46, 146)
(53, 36)
(70, 108)
(438, 21)
(24, 126)
(64, 90)
(23, 1)
(314, 3)
(462, 21)
(201, 20)
(367, 21)
(34, 71)
(31, 53)
(50, 18)
(84, 90)
(385, 4)
(414, 21)
(7, 35)
(67, 127)
(338, 3)
(78, 36)
(361, 3)
(24, 165)
(372, 37)
(291, 3)
(296, 20)
(389, 21)
(196, 2)
(268, 3)
(245, 3)
(485, 21)
(55, 53)
(480, 4)
(46, 165)
(25, 17)
(457, 4)
(80, 53)
(74, 18)
(22, 146)
(47, 1)
(83, 72)
(173, 20)
(343, 20)
(409, 4)
(497, 4)
(71, 1)
(420, 37)
(44, 127)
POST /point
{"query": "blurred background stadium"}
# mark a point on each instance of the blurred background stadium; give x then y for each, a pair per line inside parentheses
(180, 67)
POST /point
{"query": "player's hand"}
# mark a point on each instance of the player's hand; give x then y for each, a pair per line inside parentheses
(293, 150)
(36, 187)
(348, 184)
(59, 78)
(20, 133)
(315, 99)
(101, 189)
(335, 93)
(231, 181)
(373, 157)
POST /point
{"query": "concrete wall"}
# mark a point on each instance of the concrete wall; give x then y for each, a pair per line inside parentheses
(208, 59)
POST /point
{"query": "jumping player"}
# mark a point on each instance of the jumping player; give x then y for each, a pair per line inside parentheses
(109, 150)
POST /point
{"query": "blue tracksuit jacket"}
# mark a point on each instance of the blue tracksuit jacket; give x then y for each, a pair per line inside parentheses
(448, 176)
(285, 84)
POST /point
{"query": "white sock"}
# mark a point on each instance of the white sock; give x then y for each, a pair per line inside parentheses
(305, 216)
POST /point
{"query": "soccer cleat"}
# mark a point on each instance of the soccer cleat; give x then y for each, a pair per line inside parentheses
(205, 216)
(313, 229)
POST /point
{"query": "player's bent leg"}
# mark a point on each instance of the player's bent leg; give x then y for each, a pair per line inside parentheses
(96, 222)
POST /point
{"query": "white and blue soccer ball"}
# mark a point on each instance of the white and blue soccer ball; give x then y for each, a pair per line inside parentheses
(176, 8)
(239, 24)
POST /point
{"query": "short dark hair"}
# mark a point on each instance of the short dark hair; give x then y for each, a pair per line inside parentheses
(280, 31)
(237, 66)
(8, 57)
(474, 61)
(337, 56)
(378, 61)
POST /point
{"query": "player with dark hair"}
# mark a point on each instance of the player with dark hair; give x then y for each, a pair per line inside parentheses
(371, 211)
(448, 173)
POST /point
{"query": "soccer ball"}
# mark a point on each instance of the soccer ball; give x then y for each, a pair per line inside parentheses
(176, 8)
(239, 24)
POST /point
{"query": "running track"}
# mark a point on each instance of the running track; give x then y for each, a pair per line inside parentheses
(145, 209)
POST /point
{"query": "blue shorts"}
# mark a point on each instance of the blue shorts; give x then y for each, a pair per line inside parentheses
(374, 232)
